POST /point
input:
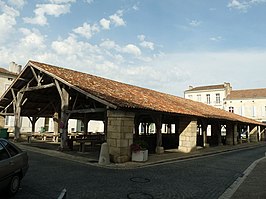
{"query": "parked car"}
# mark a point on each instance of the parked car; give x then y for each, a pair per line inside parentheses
(13, 166)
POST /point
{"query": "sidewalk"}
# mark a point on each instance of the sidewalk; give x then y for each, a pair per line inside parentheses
(254, 186)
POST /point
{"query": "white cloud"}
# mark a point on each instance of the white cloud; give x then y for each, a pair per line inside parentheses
(89, 1)
(17, 3)
(108, 44)
(62, 1)
(86, 30)
(218, 38)
(47, 9)
(132, 49)
(194, 23)
(145, 44)
(71, 46)
(235, 4)
(7, 21)
(243, 5)
(32, 39)
(135, 7)
(117, 19)
(105, 23)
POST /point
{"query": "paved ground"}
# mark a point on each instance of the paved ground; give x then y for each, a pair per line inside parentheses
(160, 177)
(199, 177)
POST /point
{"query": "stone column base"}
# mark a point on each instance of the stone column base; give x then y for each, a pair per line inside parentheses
(159, 150)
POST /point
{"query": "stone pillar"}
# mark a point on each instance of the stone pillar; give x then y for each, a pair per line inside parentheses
(188, 134)
(229, 134)
(120, 135)
(2, 121)
(253, 134)
(235, 134)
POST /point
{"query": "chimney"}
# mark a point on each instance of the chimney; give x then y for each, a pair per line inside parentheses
(14, 68)
(228, 88)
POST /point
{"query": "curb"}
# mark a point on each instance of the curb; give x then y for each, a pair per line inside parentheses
(86, 161)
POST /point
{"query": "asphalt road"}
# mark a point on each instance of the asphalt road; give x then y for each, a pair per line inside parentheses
(205, 177)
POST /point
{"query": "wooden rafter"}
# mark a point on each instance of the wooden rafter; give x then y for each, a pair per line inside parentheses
(39, 87)
(90, 110)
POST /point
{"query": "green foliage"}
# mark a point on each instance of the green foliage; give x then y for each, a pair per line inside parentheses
(139, 145)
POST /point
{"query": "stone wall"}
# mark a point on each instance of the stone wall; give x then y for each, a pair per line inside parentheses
(253, 135)
(187, 135)
(120, 135)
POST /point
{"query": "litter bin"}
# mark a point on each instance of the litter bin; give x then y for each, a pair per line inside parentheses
(4, 133)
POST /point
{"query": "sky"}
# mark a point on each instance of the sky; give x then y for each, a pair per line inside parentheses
(162, 45)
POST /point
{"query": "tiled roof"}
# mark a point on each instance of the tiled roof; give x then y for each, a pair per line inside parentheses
(127, 96)
(4, 71)
(211, 87)
(247, 94)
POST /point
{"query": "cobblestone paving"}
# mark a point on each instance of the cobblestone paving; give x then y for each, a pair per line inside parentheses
(205, 177)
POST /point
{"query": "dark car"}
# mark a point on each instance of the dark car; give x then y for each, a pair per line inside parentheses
(13, 166)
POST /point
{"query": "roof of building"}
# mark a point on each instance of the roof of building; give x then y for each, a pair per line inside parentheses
(123, 95)
(7, 72)
(247, 94)
(210, 87)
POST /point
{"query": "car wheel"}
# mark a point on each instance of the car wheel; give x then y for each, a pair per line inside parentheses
(14, 185)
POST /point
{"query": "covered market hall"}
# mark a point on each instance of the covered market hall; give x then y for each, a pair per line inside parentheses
(43, 90)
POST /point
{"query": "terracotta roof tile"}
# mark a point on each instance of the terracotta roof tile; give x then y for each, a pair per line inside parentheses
(247, 94)
(5, 71)
(211, 87)
(127, 96)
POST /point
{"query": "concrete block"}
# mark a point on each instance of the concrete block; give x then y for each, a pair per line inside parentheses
(104, 158)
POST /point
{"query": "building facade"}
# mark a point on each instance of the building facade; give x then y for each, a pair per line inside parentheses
(213, 95)
(250, 103)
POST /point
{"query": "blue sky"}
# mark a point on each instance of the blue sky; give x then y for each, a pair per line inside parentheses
(163, 45)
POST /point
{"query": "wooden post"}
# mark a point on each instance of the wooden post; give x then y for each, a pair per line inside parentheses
(204, 127)
(56, 126)
(64, 95)
(86, 123)
(17, 100)
(158, 124)
(136, 127)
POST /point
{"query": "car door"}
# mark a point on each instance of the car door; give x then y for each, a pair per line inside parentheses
(5, 168)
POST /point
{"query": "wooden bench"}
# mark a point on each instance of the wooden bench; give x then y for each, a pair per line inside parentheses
(93, 139)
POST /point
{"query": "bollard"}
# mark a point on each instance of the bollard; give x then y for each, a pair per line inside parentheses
(104, 158)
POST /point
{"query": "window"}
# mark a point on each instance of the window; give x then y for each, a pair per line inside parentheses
(190, 96)
(208, 96)
(3, 153)
(12, 150)
(254, 111)
(7, 120)
(199, 97)
(231, 109)
(218, 98)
